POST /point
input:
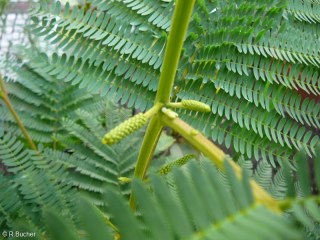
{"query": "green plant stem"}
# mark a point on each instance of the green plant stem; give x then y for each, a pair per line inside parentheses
(107, 220)
(149, 142)
(181, 16)
(174, 105)
(197, 140)
(154, 110)
(216, 155)
(146, 151)
(148, 146)
(5, 97)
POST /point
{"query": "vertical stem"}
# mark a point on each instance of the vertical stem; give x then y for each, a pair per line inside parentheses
(181, 16)
(149, 144)
(5, 97)
(146, 151)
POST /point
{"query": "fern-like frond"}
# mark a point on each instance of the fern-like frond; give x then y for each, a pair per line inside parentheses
(41, 101)
(307, 11)
(37, 181)
(271, 179)
(10, 203)
(95, 165)
(255, 74)
(296, 187)
(253, 71)
(136, 84)
(159, 14)
(121, 53)
(160, 216)
(195, 220)
(265, 123)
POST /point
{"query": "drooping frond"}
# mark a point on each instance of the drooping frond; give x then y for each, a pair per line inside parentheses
(271, 179)
(112, 47)
(40, 100)
(197, 217)
(33, 182)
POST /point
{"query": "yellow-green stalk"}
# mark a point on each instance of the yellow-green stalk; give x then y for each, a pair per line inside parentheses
(181, 17)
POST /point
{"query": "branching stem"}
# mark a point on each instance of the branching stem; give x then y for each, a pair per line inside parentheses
(174, 105)
(181, 17)
(217, 156)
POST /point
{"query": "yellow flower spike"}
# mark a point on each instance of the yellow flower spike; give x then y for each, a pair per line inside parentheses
(124, 129)
(195, 106)
(180, 162)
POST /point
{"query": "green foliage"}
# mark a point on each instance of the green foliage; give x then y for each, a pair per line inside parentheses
(97, 166)
(250, 70)
(3, 4)
(32, 182)
(40, 100)
(306, 209)
(296, 187)
(193, 214)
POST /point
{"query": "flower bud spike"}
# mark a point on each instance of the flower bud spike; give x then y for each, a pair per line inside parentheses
(124, 180)
(180, 162)
(124, 129)
(195, 106)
